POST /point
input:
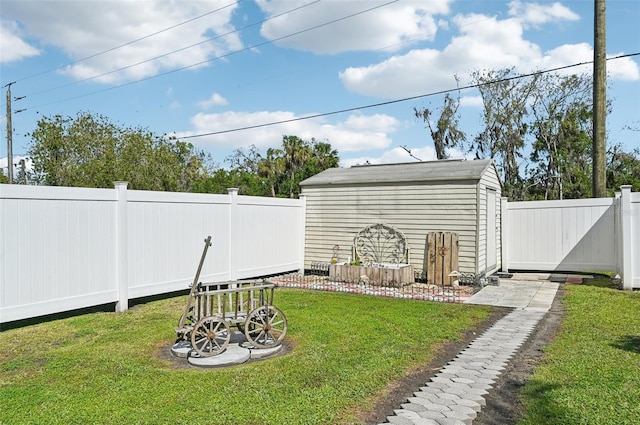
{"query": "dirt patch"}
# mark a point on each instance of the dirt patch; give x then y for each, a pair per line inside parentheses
(503, 404)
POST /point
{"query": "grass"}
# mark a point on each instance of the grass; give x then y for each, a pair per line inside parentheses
(591, 372)
(104, 368)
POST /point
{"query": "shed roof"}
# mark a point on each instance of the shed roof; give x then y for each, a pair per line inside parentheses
(444, 170)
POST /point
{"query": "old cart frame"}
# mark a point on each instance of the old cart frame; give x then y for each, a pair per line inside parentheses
(213, 308)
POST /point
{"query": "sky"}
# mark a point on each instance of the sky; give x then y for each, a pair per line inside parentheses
(206, 70)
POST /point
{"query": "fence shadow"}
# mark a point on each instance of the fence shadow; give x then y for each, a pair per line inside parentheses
(545, 407)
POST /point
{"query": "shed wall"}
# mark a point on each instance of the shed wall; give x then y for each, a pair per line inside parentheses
(488, 181)
(336, 213)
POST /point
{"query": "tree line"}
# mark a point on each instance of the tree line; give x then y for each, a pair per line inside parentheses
(276, 173)
(90, 151)
(538, 130)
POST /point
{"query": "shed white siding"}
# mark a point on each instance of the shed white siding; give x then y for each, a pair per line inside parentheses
(339, 206)
(336, 214)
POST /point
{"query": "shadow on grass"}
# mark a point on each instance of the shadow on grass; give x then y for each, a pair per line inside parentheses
(542, 406)
(601, 280)
(628, 343)
(102, 308)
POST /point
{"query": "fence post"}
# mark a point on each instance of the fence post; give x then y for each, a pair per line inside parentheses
(504, 223)
(625, 230)
(233, 231)
(122, 254)
(302, 231)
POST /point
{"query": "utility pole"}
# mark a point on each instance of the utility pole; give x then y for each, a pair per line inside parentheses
(599, 184)
(9, 135)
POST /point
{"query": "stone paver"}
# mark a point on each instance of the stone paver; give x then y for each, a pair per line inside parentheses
(457, 393)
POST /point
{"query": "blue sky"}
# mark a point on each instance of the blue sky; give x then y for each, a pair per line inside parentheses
(188, 68)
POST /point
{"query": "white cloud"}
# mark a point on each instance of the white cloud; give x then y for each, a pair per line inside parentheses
(383, 27)
(12, 47)
(472, 101)
(400, 155)
(82, 29)
(483, 42)
(620, 69)
(400, 76)
(537, 14)
(356, 133)
(16, 164)
(214, 100)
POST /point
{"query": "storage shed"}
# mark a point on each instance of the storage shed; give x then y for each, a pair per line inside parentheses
(416, 198)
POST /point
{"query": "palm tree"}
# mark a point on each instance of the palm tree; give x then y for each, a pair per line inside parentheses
(296, 153)
(271, 168)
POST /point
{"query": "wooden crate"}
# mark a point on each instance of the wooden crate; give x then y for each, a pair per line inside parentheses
(377, 276)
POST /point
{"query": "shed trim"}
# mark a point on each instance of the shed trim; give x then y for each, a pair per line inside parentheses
(419, 172)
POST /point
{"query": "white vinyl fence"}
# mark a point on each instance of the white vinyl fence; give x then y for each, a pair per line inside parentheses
(575, 235)
(68, 248)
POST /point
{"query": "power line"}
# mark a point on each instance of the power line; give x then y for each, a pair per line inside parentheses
(217, 57)
(200, 43)
(390, 102)
(175, 51)
(128, 43)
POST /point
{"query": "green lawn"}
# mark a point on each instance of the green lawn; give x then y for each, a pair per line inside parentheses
(591, 373)
(103, 368)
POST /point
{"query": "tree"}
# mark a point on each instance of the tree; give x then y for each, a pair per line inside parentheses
(276, 174)
(323, 156)
(3, 178)
(245, 159)
(561, 148)
(90, 151)
(505, 98)
(623, 168)
(446, 134)
(221, 180)
(296, 152)
(271, 168)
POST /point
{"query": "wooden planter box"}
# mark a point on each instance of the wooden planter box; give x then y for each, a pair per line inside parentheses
(377, 276)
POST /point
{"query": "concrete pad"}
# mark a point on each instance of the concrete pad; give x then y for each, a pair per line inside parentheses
(558, 277)
(238, 351)
(260, 353)
(233, 354)
(181, 349)
(513, 293)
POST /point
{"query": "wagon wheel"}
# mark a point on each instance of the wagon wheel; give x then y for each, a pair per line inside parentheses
(210, 336)
(265, 326)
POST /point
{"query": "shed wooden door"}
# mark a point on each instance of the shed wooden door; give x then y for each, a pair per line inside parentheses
(441, 257)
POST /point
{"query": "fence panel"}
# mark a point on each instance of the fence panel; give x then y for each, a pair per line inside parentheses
(268, 236)
(57, 250)
(635, 240)
(166, 236)
(572, 235)
(70, 248)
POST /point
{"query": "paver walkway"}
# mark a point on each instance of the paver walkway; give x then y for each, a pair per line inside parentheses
(457, 393)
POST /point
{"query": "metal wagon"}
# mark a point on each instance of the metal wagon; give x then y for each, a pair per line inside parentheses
(214, 308)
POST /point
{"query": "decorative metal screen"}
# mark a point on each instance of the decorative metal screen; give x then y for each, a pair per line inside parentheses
(380, 243)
